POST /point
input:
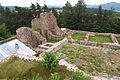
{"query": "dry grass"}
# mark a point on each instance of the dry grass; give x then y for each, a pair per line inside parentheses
(92, 61)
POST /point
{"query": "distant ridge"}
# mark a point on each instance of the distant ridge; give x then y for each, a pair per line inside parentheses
(10, 7)
(107, 6)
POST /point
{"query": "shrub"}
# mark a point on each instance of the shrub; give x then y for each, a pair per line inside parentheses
(55, 76)
(36, 77)
(50, 61)
(79, 76)
(4, 32)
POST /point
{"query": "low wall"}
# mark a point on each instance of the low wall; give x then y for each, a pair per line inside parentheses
(111, 45)
(56, 46)
(96, 33)
(88, 43)
(113, 37)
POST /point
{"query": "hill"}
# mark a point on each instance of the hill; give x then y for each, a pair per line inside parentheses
(108, 6)
(10, 7)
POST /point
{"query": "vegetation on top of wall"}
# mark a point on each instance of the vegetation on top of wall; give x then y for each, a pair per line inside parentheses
(9, 39)
(39, 30)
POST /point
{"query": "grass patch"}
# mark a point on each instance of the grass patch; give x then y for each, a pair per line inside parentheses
(100, 39)
(118, 38)
(92, 61)
(78, 36)
(17, 69)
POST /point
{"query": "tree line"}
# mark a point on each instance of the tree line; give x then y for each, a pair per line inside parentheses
(77, 17)
(11, 20)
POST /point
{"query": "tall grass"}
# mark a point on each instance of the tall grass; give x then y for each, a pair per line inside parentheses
(19, 69)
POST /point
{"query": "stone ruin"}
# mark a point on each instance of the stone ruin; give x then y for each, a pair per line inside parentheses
(43, 28)
(29, 37)
(48, 25)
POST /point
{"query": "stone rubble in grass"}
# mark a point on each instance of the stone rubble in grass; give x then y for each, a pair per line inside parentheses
(69, 67)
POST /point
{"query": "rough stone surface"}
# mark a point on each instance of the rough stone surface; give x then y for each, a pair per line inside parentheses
(48, 25)
(29, 37)
(114, 40)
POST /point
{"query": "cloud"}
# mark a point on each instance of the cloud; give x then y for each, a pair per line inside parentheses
(28, 2)
(91, 2)
(50, 2)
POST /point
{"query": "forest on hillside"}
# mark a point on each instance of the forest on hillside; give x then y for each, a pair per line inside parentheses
(77, 17)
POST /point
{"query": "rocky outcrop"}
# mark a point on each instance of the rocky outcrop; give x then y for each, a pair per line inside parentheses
(48, 25)
(29, 37)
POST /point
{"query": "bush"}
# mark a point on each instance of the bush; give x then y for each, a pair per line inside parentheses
(79, 76)
(55, 76)
(36, 77)
(50, 61)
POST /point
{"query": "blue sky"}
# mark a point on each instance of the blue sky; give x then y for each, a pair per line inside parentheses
(51, 2)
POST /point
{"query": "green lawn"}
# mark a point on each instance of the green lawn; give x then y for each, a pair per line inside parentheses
(17, 69)
(92, 61)
(118, 38)
(78, 36)
(100, 39)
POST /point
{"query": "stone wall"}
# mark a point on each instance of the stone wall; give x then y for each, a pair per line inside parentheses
(29, 37)
(88, 43)
(113, 45)
(48, 25)
(56, 46)
(113, 37)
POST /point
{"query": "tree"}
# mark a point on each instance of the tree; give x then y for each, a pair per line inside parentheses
(50, 61)
(38, 7)
(39, 10)
(45, 8)
(7, 12)
(33, 10)
(55, 13)
(82, 16)
(1, 10)
(100, 12)
(66, 16)
(4, 32)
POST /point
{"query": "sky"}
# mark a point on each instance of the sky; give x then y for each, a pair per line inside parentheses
(27, 3)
